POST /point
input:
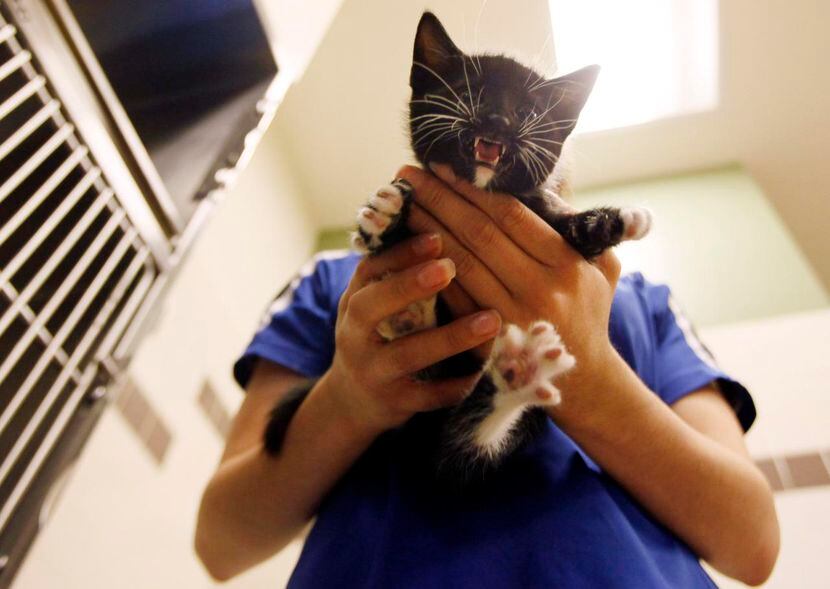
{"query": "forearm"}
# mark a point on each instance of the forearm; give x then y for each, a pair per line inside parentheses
(711, 497)
(256, 504)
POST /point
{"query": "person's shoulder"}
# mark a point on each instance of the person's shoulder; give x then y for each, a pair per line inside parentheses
(341, 260)
(637, 281)
(329, 273)
(332, 267)
(638, 311)
(649, 293)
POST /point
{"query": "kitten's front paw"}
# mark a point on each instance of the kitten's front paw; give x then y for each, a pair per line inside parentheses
(381, 214)
(525, 362)
(636, 222)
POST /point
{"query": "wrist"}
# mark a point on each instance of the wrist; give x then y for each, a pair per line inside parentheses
(351, 422)
(597, 395)
(597, 367)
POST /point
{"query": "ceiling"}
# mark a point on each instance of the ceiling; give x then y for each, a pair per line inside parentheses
(342, 123)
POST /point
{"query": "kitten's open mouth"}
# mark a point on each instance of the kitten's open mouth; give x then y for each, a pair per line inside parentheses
(488, 152)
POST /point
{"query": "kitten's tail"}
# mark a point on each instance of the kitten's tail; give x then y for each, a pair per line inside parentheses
(281, 416)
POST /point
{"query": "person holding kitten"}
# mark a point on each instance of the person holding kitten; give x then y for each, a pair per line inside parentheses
(638, 472)
(648, 484)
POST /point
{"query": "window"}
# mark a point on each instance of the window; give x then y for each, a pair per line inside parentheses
(659, 58)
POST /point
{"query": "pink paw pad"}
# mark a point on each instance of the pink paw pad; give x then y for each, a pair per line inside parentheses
(375, 221)
(524, 363)
(388, 200)
(543, 394)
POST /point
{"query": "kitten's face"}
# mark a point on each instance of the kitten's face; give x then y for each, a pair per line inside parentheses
(497, 123)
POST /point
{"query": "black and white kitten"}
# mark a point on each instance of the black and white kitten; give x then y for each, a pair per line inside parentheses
(501, 126)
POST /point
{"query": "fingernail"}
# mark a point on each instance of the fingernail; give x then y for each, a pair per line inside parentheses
(436, 273)
(485, 323)
(425, 244)
(443, 171)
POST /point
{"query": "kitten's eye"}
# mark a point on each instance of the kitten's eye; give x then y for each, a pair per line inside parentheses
(527, 114)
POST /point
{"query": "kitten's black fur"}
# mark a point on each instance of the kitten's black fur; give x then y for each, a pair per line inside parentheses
(458, 101)
(510, 103)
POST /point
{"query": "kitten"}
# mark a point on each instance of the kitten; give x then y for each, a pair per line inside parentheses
(501, 126)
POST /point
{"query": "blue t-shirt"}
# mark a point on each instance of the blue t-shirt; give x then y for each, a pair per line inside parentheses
(550, 518)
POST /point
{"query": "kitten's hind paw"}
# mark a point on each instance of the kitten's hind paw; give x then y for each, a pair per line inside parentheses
(522, 367)
(525, 362)
(380, 216)
(636, 222)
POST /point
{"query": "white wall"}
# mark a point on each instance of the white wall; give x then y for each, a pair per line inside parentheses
(772, 119)
(784, 363)
(123, 521)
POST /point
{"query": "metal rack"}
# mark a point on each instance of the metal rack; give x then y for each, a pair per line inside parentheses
(89, 243)
(75, 271)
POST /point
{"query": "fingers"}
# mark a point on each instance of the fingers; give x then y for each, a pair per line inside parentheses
(462, 304)
(425, 348)
(403, 255)
(609, 264)
(470, 225)
(529, 231)
(482, 285)
(380, 299)
(459, 302)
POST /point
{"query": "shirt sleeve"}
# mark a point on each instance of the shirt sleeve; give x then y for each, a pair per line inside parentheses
(684, 365)
(297, 331)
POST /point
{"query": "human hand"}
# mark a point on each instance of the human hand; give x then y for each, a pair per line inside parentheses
(372, 379)
(508, 259)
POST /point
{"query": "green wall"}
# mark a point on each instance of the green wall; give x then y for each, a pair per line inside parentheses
(333, 239)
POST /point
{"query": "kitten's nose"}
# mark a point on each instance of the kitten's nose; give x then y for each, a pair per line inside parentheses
(501, 122)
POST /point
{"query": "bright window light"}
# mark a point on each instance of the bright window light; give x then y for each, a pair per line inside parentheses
(659, 58)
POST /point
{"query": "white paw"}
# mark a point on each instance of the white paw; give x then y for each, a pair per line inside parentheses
(376, 217)
(522, 365)
(358, 243)
(637, 222)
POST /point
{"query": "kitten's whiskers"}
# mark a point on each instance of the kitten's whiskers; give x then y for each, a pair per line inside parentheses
(478, 99)
(532, 167)
(469, 90)
(546, 153)
(547, 127)
(539, 165)
(438, 138)
(443, 101)
(543, 140)
(444, 82)
(541, 118)
(437, 116)
(535, 63)
(554, 82)
(443, 128)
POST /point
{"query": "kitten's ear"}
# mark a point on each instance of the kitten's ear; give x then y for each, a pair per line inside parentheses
(571, 91)
(434, 50)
